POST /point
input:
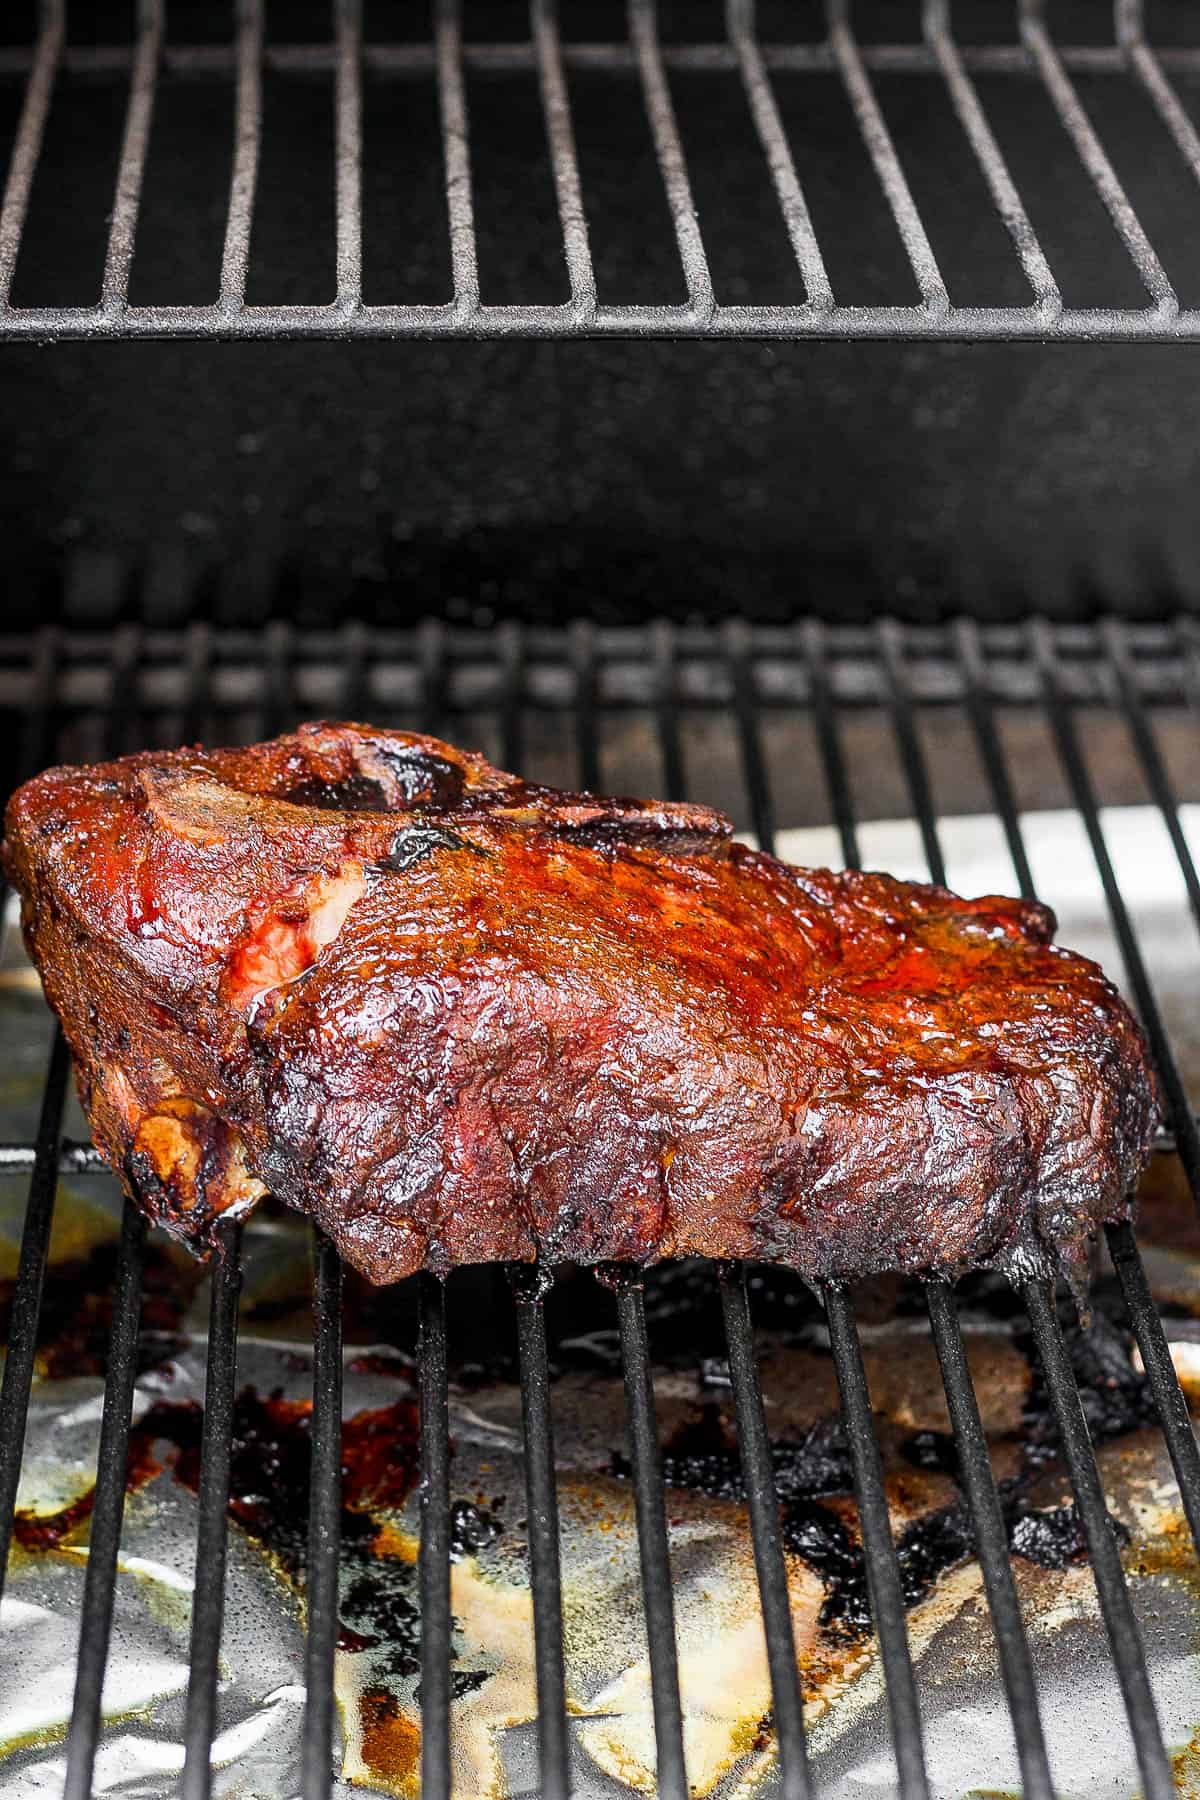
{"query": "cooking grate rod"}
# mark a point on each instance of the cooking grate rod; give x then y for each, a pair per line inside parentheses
(541, 1499)
(1120, 1622)
(1060, 717)
(762, 1502)
(991, 1543)
(216, 1444)
(1124, 1638)
(27, 1297)
(1156, 1356)
(641, 58)
(586, 661)
(324, 1520)
(433, 1556)
(99, 1585)
(883, 1568)
(653, 1545)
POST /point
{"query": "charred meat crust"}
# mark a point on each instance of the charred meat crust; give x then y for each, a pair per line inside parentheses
(456, 1017)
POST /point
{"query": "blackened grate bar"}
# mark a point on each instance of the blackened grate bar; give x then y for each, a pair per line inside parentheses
(542, 1509)
(1124, 54)
(139, 683)
(216, 1443)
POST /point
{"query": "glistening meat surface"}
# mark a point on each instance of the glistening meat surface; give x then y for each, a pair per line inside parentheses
(457, 1018)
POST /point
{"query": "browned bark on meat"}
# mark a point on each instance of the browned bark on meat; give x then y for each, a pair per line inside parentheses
(457, 1018)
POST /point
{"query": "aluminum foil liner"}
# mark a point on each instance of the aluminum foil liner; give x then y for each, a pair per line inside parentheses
(725, 1685)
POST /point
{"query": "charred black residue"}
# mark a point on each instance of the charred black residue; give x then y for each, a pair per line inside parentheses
(932, 1450)
(1053, 1536)
(703, 1457)
(1116, 1398)
(472, 1528)
(926, 1549)
(76, 1316)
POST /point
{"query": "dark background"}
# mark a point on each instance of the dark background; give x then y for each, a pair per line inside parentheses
(607, 479)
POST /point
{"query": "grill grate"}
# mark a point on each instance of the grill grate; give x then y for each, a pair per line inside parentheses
(146, 684)
(1148, 76)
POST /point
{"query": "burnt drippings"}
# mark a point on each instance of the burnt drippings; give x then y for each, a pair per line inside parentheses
(1116, 1398)
(925, 1550)
(472, 1529)
(75, 1324)
(703, 1456)
(269, 1479)
(1053, 1536)
(935, 1451)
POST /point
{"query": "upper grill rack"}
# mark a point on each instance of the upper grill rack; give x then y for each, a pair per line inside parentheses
(1034, 55)
(1126, 670)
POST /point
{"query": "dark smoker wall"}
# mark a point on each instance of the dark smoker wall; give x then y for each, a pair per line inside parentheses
(611, 480)
(603, 479)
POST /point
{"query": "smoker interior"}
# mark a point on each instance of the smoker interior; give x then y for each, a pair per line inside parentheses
(698, 174)
(958, 172)
(937, 700)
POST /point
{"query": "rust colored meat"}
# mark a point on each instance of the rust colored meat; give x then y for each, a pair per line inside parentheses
(456, 1018)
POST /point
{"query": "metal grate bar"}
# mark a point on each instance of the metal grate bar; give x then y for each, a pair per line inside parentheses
(653, 1545)
(35, 744)
(433, 1557)
(883, 1569)
(641, 56)
(349, 153)
(935, 21)
(247, 136)
(1069, 107)
(27, 1295)
(208, 62)
(324, 1521)
(1129, 22)
(763, 1503)
(829, 742)
(28, 145)
(983, 722)
(114, 289)
(1115, 638)
(882, 151)
(1057, 706)
(643, 32)
(911, 754)
(99, 1583)
(1156, 1356)
(456, 153)
(745, 709)
(991, 1544)
(560, 136)
(1123, 1634)
(208, 1593)
(542, 1508)
(739, 17)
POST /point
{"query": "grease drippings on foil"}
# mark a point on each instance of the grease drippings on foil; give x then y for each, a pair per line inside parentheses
(724, 1677)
